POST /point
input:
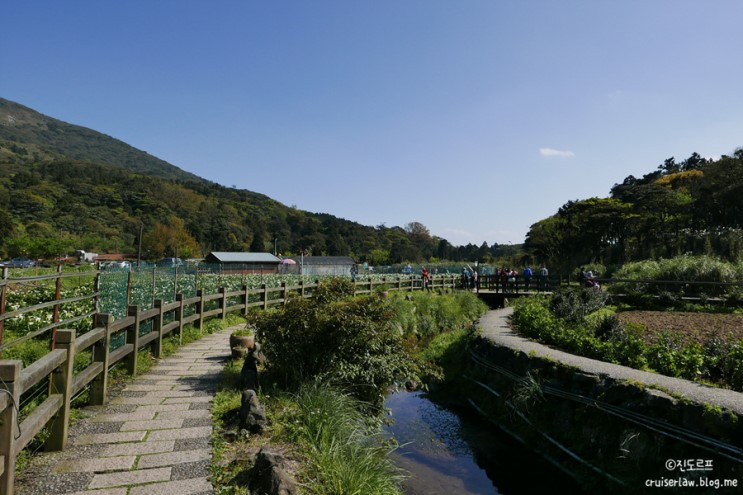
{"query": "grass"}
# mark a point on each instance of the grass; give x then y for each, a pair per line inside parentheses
(345, 454)
(336, 444)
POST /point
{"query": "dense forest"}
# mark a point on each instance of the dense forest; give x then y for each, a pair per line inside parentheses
(694, 206)
(64, 187)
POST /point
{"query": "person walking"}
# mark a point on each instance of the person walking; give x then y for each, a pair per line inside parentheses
(527, 273)
(544, 280)
(426, 278)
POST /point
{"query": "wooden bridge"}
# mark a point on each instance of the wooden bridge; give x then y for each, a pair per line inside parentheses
(495, 290)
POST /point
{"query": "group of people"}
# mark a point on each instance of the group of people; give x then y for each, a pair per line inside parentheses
(588, 278)
(508, 278)
(469, 278)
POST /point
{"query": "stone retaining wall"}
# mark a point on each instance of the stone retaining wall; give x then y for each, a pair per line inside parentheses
(612, 435)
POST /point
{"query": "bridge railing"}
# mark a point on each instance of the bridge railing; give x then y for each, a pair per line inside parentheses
(519, 283)
(138, 330)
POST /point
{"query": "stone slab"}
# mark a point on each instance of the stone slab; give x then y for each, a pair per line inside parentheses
(163, 407)
(188, 400)
(155, 424)
(137, 387)
(137, 415)
(95, 438)
(181, 487)
(105, 491)
(137, 400)
(171, 458)
(171, 393)
(130, 478)
(138, 448)
(191, 413)
(96, 465)
(197, 432)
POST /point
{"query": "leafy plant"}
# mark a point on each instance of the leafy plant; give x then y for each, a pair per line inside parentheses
(346, 341)
(574, 304)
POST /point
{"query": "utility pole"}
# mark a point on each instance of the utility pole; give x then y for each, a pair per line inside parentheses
(139, 249)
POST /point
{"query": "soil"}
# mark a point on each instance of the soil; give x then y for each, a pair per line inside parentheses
(688, 327)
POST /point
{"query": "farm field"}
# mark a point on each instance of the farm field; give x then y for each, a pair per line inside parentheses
(687, 327)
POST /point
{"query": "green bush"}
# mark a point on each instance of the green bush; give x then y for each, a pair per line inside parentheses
(351, 342)
(360, 343)
(574, 304)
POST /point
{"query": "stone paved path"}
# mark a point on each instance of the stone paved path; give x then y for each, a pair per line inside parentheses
(153, 438)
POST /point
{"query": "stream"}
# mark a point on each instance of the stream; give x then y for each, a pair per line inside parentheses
(448, 454)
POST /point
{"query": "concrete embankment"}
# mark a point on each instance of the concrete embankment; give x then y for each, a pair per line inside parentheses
(613, 427)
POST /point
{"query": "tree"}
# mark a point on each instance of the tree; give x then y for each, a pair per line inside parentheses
(169, 240)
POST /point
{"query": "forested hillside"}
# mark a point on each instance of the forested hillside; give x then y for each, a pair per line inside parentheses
(694, 206)
(65, 187)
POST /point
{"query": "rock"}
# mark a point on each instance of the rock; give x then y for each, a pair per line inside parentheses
(252, 412)
(249, 373)
(229, 435)
(270, 475)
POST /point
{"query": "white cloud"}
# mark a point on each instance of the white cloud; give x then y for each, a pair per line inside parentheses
(549, 152)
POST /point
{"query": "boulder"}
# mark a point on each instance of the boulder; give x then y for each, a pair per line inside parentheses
(270, 475)
(252, 412)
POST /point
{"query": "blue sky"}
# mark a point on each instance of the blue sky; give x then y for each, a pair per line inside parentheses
(474, 118)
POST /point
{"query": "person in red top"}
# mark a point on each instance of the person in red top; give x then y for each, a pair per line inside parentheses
(426, 279)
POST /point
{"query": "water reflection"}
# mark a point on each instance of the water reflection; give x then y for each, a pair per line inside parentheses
(432, 448)
(445, 455)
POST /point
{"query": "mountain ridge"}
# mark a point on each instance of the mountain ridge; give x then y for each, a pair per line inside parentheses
(52, 138)
(64, 186)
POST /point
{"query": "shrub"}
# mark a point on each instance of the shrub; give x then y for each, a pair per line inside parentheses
(574, 304)
(350, 342)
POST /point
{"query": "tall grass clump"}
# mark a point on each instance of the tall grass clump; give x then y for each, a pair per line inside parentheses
(423, 315)
(345, 455)
(686, 268)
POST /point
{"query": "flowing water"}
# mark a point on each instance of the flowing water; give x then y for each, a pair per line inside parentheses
(448, 454)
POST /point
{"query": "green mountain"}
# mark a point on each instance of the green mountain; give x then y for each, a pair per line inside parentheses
(65, 187)
(26, 134)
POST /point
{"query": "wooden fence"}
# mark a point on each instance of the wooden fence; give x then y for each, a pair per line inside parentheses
(164, 319)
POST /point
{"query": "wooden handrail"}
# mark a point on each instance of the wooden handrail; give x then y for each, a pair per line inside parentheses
(18, 380)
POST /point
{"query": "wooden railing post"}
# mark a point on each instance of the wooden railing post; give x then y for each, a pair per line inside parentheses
(246, 299)
(301, 289)
(3, 298)
(199, 323)
(99, 385)
(179, 316)
(62, 380)
(399, 283)
(284, 292)
(223, 302)
(157, 326)
(132, 337)
(129, 287)
(57, 297)
(10, 374)
(371, 285)
(264, 296)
